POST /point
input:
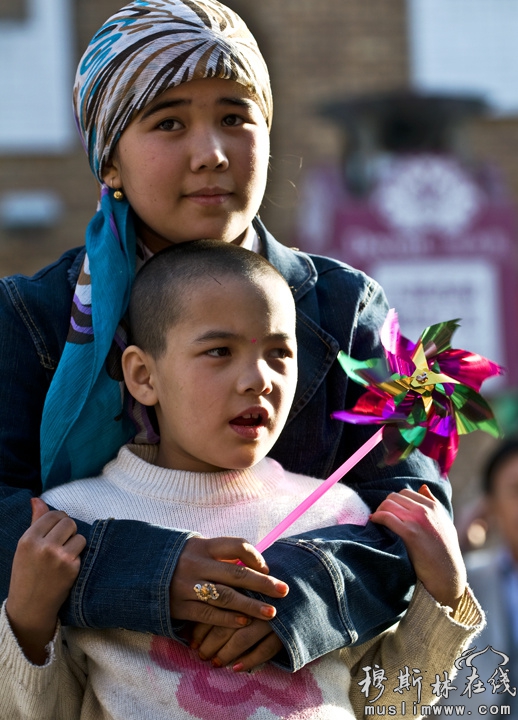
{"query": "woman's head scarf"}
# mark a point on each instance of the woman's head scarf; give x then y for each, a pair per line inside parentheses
(144, 49)
(150, 46)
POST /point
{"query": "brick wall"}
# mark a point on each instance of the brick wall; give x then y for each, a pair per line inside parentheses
(68, 175)
(315, 51)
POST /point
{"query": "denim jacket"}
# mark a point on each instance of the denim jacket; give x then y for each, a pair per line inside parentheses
(347, 583)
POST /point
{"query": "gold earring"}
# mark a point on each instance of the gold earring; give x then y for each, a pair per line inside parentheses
(118, 195)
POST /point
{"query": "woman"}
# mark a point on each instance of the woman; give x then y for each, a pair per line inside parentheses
(173, 103)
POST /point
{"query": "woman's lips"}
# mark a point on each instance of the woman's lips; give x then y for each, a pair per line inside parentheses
(209, 196)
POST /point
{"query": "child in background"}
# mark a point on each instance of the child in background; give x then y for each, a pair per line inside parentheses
(214, 353)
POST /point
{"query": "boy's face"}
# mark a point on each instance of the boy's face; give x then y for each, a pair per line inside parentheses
(227, 379)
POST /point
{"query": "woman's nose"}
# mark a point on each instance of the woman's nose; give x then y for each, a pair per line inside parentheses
(208, 152)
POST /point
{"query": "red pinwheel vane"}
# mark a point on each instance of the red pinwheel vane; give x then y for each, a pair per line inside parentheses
(424, 394)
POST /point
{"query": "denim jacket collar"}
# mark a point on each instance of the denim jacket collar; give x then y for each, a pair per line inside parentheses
(75, 268)
(297, 268)
(317, 349)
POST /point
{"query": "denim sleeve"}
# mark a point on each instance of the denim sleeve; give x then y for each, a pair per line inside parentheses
(125, 575)
(347, 583)
(127, 566)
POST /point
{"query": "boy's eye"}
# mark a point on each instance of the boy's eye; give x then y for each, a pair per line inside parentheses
(280, 353)
(218, 352)
(169, 124)
(232, 120)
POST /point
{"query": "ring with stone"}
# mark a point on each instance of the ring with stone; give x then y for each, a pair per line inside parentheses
(206, 592)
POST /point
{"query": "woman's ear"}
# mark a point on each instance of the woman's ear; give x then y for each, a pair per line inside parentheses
(112, 175)
(138, 367)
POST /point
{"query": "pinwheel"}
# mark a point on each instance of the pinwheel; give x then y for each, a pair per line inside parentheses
(424, 395)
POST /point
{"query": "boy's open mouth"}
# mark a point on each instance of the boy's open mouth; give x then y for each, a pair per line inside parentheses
(248, 420)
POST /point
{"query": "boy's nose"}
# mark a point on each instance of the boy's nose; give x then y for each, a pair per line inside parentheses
(208, 152)
(256, 379)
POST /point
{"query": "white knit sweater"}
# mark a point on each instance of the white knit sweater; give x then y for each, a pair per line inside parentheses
(118, 674)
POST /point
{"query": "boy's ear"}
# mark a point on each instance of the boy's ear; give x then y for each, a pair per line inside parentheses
(137, 367)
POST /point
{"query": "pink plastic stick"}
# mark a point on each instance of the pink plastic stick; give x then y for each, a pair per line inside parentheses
(355, 458)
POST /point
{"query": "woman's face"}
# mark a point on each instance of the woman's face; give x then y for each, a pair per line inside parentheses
(193, 164)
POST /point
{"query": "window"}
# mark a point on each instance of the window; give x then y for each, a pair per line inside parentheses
(467, 47)
(35, 76)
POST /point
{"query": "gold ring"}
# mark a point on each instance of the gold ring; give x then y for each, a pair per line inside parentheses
(206, 592)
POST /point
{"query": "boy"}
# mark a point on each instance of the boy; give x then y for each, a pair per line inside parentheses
(214, 352)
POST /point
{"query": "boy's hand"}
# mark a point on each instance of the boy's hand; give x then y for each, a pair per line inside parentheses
(214, 561)
(225, 646)
(431, 541)
(45, 566)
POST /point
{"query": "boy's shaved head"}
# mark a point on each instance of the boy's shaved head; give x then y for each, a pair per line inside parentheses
(159, 290)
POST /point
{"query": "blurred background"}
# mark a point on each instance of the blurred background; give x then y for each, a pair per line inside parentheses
(394, 148)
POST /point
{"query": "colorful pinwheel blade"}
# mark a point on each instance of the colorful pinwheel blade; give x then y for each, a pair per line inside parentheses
(473, 412)
(365, 372)
(425, 394)
(468, 368)
(437, 338)
(441, 447)
(398, 349)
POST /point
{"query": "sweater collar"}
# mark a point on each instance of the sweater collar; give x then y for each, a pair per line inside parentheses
(135, 471)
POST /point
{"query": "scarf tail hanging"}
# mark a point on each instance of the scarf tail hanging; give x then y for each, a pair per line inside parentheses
(83, 424)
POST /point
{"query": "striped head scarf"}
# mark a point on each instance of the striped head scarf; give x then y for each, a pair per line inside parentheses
(144, 49)
(150, 46)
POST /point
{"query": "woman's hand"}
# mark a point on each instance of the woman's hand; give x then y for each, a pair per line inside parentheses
(45, 566)
(224, 646)
(430, 539)
(214, 561)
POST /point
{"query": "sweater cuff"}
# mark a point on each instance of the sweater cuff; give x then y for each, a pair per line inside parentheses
(468, 617)
(35, 679)
(468, 612)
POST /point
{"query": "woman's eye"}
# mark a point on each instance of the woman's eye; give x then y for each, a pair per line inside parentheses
(219, 352)
(169, 125)
(232, 120)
